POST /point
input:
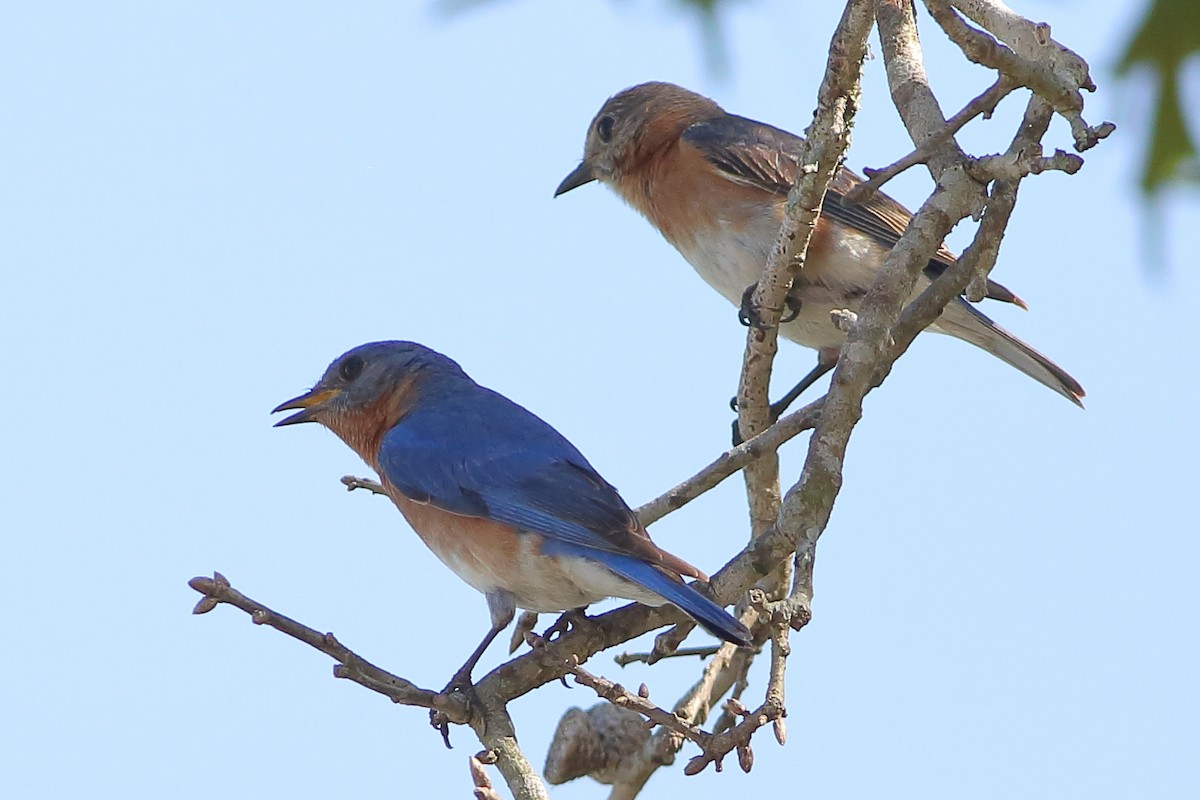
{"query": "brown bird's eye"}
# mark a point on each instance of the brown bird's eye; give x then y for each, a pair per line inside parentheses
(604, 127)
(351, 368)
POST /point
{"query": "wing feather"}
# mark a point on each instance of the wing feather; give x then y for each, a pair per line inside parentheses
(756, 154)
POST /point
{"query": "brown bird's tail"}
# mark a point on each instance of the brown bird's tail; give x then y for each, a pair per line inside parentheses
(962, 320)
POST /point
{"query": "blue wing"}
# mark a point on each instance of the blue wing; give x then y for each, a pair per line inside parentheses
(477, 453)
(711, 616)
(474, 452)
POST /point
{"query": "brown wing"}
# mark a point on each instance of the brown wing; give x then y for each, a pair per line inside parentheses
(760, 155)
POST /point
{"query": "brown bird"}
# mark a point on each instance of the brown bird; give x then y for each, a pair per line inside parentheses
(715, 184)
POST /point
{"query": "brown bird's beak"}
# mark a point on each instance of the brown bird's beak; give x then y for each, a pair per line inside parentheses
(309, 404)
(578, 177)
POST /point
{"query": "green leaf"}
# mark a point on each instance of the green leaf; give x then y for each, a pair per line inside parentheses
(1169, 35)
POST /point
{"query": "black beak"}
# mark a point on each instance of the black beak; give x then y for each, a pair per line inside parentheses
(578, 177)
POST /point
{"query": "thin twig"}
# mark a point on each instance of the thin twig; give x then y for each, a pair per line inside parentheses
(351, 483)
(625, 659)
(978, 258)
(984, 105)
(619, 696)
(217, 590)
(807, 505)
(483, 784)
(741, 683)
(720, 674)
(494, 727)
(729, 462)
(1036, 60)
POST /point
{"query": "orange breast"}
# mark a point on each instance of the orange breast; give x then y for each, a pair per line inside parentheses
(483, 553)
(682, 194)
(491, 556)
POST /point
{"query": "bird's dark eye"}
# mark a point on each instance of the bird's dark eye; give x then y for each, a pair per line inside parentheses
(604, 127)
(351, 368)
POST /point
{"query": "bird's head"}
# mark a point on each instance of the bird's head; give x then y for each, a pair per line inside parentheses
(365, 391)
(632, 126)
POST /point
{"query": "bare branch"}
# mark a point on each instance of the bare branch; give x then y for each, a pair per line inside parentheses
(741, 682)
(483, 784)
(877, 334)
(353, 483)
(619, 696)
(807, 505)
(909, 85)
(772, 710)
(730, 462)
(1014, 166)
(216, 590)
(977, 260)
(625, 659)
(983, 105)
(1036, 60)
(494, 727)
(826, 143)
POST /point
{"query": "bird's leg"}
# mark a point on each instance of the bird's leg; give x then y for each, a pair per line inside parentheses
(462, 679)
(748, 315)
(503, 608)
(826, 360)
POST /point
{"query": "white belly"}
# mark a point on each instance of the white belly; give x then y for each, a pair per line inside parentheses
(544, 583)
(730, 259)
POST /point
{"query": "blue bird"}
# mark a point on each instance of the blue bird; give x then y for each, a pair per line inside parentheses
(502, 498)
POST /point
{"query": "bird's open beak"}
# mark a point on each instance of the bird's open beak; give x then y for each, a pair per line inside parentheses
(578, 177)
(309, 403)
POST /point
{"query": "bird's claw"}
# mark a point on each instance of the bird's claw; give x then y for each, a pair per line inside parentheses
(565, 622)
(440, 723)
(461, 682)
(794, 305)
(747, 313)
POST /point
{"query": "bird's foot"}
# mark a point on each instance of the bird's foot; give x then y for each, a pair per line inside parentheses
(461, 682)
(776, 411)
(793, 304)
(567, 621)
(441, 723)
(748, 314)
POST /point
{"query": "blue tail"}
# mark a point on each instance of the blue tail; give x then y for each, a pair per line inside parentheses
(708, 614)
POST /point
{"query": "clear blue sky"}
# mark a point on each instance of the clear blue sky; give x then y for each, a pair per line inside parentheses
(205, 203)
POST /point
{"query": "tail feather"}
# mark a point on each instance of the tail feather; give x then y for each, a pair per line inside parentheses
(671, 588)
(964, 321)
